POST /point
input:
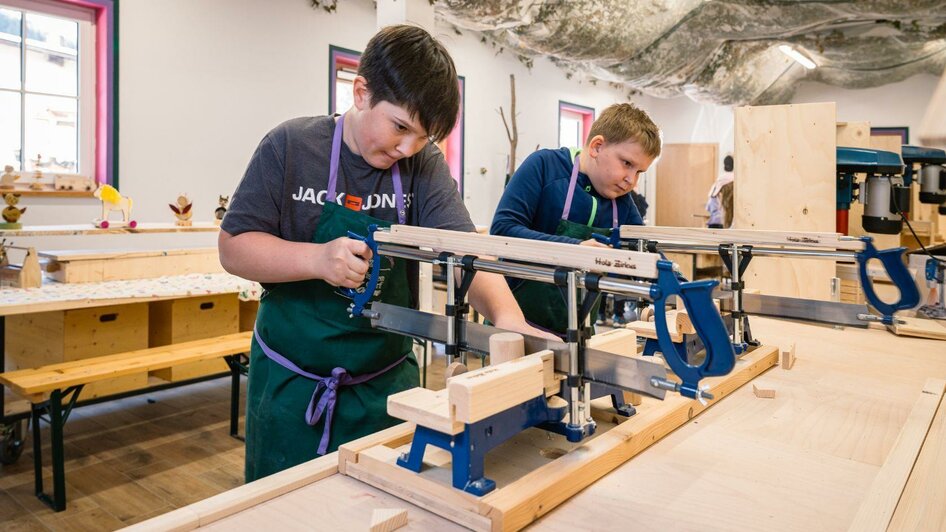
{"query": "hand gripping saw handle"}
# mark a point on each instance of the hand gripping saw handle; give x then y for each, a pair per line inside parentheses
(892, 259)
(362, 295)
(697, 297)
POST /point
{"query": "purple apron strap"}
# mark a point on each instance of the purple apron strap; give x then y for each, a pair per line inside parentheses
(333, 173)
(323, 403)
(571, 193)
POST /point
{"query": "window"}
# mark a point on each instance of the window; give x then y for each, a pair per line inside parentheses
(574, 123)
(56, 89)
(343, 65)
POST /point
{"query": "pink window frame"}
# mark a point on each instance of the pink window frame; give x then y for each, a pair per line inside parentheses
(587, 117)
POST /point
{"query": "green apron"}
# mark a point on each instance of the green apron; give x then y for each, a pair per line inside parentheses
(542, 303)
(307, 323)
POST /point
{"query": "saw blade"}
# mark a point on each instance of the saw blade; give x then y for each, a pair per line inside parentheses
(801, 309)
(630, 373)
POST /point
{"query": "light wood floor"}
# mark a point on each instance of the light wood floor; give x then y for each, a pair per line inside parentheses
(135, 458)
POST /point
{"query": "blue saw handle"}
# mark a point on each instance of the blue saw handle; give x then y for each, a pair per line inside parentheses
(614, 240)
(362, 295)
(697, 297)
(892, 259)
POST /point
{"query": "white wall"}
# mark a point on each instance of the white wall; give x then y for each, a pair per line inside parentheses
(201, 83)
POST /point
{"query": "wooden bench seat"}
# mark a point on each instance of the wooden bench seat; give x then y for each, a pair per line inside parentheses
(54, 389)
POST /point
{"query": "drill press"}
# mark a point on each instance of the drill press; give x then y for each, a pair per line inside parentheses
(931, 176)
(882, 191)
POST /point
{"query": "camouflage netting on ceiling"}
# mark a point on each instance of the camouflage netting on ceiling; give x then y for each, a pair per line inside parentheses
(725, 52)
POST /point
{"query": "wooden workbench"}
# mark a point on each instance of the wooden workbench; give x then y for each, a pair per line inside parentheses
(806, 460)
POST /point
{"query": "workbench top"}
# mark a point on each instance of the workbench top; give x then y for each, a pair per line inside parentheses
(804, 460)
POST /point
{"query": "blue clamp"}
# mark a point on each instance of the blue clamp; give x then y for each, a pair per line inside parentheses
(362, 295)
(697, 297)
(892, 259)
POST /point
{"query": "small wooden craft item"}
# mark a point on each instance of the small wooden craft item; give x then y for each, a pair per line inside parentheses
(505, 346)
(112, 201)
(763, 393)
(8, 178)
(26, 275)
(788, 357)
(37, 174)
(220, 211)
(73, 182)
(12, 213)
(182, 210)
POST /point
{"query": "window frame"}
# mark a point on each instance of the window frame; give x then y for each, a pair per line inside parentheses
(338, 56)
(98, 116)
(587, 118)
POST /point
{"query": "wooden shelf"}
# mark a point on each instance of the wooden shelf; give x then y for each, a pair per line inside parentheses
(89, 229)
(50, 193)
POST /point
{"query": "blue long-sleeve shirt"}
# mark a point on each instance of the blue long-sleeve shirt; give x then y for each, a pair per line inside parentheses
(532, 203)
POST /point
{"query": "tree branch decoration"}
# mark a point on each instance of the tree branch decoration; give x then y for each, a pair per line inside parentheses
(513, 135)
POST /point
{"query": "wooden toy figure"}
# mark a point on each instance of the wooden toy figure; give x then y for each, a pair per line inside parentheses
(11, 214)
(222, 209)
(182, 210)
(112, 200)
(8, 177)
(37, 174)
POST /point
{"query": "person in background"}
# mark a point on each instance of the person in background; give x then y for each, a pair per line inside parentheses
(719, 214)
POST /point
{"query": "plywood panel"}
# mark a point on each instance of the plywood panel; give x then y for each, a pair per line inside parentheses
(786, 180)
(685, 174)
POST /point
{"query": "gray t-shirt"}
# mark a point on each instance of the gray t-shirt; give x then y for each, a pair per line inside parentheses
(284, 187)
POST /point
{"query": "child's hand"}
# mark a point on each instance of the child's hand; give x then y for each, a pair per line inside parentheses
(595, 243)
(344, 262)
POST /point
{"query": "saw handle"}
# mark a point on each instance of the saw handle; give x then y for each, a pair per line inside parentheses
(613, 240)
(697, 297)
(892, 259)
(362, 295)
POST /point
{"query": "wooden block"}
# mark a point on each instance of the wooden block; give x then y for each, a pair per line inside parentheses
(455, 368)
(505, 346)
(480, 393)
(763, 393)
(193, 318)
(684, 174)
(919, 327)
(788, 357)
(87, 266)
(426, 408)
(248, 310)
(388, 519)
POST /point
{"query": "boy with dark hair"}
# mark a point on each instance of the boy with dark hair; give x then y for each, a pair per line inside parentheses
(318, 378)
(555, 196)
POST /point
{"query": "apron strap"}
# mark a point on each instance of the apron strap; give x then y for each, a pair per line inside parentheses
(325, 395)
(566, 209)
(333, 174)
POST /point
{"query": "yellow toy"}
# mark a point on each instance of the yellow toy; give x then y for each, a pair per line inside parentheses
(112, 200)
(11, 214)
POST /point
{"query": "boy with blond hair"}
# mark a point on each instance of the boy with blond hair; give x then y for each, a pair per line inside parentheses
(560, 197)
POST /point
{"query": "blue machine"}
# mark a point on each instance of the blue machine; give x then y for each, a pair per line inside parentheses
(883, 193)
(931, 175)
(470, 446)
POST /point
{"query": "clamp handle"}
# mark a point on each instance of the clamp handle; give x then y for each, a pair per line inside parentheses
(892, 259)
(697, 297)
(362, 295)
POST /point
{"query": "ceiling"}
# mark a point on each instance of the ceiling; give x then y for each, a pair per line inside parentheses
(724, 52)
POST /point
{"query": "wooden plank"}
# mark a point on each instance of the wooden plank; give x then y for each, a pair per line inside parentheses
(480, 393)
(29, 382)
(684, 175)
(920, 327)
(785, 165)
(878, 506)
(84, 266)
(426, 408)
(247, 496)
(604, 260)
(388, 519)
(923, 502)
(89, 229)
(396, 435)
(702, 235)
(537, 493)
